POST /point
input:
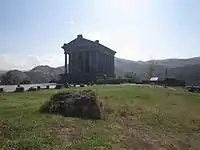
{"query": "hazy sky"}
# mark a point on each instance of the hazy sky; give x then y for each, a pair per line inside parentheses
(33, 31)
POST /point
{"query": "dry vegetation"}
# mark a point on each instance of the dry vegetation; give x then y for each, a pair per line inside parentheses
(136, 118)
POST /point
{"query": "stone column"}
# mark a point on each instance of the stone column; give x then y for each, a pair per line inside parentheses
(74, 63)
(90, 62)
(100, 62)
(97, 63)
(65, 62)
(106, 64)
(113, 65)
(110, 64)
(84, 62)
(77, 64)
(70, 63)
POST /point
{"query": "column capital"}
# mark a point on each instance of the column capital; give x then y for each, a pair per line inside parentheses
(65, 52)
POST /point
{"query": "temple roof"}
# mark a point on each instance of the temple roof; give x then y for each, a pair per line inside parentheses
(81, 42)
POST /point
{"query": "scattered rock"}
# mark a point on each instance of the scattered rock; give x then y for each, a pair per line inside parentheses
(192, 89)
(67, 85)
(58, 86)
(82, 85)
(32, 89)
(38, 88)
(1, 90)
(19, 89)
(83, 104)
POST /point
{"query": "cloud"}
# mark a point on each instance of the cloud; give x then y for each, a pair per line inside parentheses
(8, 61)
(71, 22)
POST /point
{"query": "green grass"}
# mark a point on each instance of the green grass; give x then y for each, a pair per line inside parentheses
(136, 118)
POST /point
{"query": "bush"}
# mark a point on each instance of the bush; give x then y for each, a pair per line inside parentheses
(83, 104)
(116, 81)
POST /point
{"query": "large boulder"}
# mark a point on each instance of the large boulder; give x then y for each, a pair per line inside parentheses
(83, 104)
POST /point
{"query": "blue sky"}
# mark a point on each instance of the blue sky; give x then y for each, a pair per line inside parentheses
(32, 32)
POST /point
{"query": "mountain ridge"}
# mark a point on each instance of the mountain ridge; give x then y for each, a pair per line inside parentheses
(45, 73)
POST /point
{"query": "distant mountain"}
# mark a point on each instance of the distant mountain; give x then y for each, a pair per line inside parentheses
(44, 74)
(189, 73)
(14, 77)
(122, 66)
(39, 74)
(140, 66)
(185, 69)
(173, 63)
(2, 72)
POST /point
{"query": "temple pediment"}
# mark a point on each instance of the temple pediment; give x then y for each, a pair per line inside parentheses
(82, 44)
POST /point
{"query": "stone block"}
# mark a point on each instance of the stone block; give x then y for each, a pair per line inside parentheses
(32, 89)
(82, 85)
(58, 86)
(19, 89)
(1, 90)
(38, 88)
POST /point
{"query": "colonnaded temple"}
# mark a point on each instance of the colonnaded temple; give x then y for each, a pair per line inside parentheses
(88, 60)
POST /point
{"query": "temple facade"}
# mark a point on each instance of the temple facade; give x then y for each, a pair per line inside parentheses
(88, 60)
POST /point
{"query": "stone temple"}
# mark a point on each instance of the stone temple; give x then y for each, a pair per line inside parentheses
(88, 61)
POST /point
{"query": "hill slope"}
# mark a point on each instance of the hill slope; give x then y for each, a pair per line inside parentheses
(176, 68)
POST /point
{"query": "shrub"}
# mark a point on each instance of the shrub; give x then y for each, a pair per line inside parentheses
(83, 104)
(116, 81)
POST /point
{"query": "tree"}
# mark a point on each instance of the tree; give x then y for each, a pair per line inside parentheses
(131, 75)
(151, 69)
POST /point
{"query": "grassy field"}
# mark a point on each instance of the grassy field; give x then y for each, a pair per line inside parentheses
(136, 118)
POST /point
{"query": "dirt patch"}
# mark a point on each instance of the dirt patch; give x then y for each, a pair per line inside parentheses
(135, 135)
(66, 133)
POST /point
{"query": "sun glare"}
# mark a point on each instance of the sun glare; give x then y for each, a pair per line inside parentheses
(121, 3)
